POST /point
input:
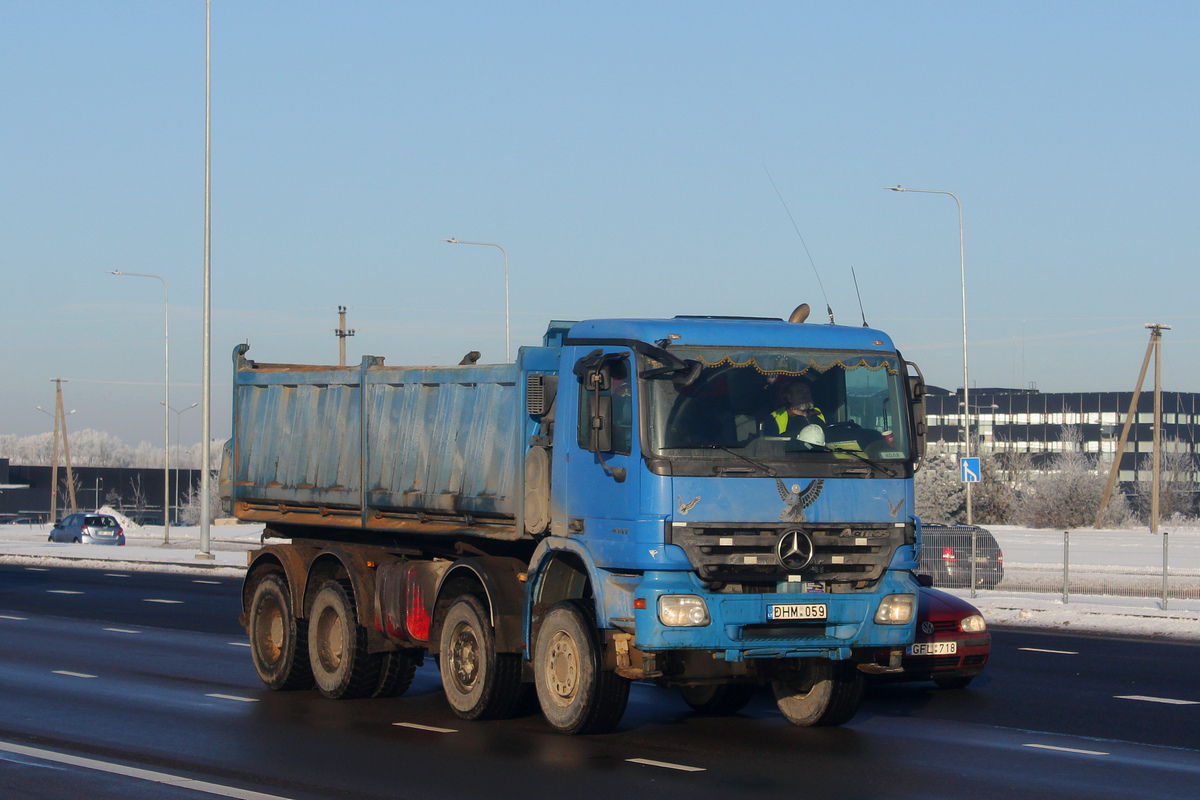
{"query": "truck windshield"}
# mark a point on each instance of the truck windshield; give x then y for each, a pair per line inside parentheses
(780, 406)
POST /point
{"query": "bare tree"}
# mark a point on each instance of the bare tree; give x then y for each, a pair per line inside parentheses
(940, 496)
(1067, 494)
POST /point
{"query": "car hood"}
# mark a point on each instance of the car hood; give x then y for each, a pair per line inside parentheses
(936, 604)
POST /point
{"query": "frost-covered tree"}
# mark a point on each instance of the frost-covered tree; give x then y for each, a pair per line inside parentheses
(1177, 485)
(940, 496)
(1067, 494)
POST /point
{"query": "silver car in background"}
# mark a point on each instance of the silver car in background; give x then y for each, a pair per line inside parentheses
(88, 529)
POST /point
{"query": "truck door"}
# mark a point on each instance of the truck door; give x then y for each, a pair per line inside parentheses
(603, 465)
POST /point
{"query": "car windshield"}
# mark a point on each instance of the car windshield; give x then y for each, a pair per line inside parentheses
(782, 405)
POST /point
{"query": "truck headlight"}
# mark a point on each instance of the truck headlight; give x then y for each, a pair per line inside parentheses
(973, 624)
(895, 609)
(682, 610)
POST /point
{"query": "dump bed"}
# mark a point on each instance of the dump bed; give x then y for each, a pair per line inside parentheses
(420, 449)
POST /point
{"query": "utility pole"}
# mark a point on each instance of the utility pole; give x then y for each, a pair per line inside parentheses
(60, 420)
(1154, 348)
(342, 333)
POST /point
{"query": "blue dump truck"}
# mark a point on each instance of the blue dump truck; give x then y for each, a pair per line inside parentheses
(714, 504)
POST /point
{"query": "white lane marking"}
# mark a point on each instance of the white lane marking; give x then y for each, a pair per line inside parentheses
(72, 674)
(121, 630)
(1146, 699)
(233, 697)
(1056, 652)
(116, 575)
(159, 600)
(36, 569)
(140, 774)
(62, 591)
(18, 619)
(1066, 749)
(415, 726)
(665, 764)
(214, 583)
(240, 644)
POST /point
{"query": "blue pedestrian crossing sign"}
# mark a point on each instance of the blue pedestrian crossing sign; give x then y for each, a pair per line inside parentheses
(970, 470)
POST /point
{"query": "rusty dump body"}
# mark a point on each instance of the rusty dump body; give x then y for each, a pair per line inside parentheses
(428, 450)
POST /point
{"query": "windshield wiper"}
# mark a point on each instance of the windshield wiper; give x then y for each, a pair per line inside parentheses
(821, 448)
(748, 460)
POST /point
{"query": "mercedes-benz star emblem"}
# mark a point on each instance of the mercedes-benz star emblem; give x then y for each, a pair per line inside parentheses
(794, 550)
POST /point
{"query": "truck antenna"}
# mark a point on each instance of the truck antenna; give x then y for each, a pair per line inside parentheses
(828, 308)
(857, 292)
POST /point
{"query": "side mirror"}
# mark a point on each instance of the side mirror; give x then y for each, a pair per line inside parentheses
(600, 422)
(925, 580)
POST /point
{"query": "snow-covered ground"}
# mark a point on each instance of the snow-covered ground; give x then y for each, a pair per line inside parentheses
(1125, 561)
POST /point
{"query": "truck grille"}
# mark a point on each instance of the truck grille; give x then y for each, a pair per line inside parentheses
(847, 556)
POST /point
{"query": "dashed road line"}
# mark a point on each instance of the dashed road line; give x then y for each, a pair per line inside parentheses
(140, 774)
(160, 600)
(70, 674)
(121, 630)
(36, 569)
(10, 616)
(213, 583)
(233, 697)
(1056, 652)
(665, 765)
(240, 644)
(1066, 749)
(116, 575)
(1167, 700)
(63, 591)
(430, 728)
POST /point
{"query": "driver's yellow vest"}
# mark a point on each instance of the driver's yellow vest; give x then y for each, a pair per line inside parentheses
(781, 418)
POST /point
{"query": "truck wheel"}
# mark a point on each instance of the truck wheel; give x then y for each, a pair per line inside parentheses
(575, 694)
(719, 699)
(396, 671)
(821, 693)
(277, 638)
(337, 646)
(479, 682)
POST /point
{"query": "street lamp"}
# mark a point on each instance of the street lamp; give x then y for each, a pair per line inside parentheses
(166, 402)
(966, 386)
(502, 250)
(54, 469)
(178, 414)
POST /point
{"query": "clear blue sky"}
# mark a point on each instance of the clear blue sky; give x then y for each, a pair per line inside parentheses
(619, 152)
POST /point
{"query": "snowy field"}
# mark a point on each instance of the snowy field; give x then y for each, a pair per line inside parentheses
(1115, 575)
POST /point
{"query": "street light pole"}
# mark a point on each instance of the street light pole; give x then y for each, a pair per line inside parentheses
(166, 401)
(206, 360)
(966, 385)
(507, 357)
(178, 414)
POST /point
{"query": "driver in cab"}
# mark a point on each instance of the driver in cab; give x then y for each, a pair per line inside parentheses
(797, 411)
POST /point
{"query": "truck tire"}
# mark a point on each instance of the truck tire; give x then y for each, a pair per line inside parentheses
(479, 682)
(718, 700)
(821, 693)
(337, 646)
(277, 639)
(576, 696)
(396, 671)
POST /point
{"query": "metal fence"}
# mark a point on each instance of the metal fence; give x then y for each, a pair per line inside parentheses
(1095, 563)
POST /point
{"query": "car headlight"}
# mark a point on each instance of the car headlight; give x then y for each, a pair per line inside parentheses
(973, 624)
(895, 609)
(682, 610)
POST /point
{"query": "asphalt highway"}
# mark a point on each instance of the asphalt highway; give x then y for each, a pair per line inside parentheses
(139, 685)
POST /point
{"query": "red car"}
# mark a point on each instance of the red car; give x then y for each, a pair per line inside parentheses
(952, 643)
